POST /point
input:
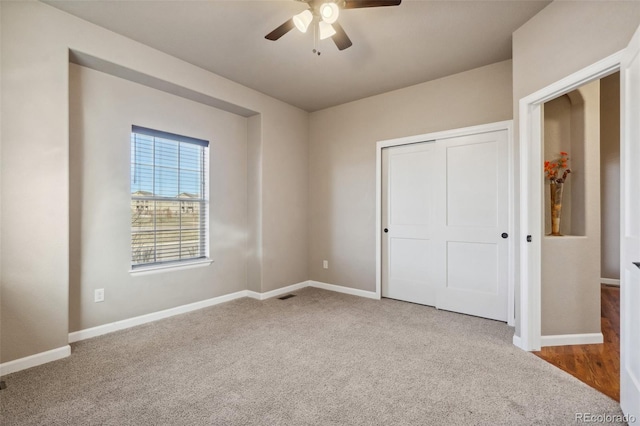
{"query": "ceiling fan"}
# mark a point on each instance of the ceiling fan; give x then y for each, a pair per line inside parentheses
(323, 14)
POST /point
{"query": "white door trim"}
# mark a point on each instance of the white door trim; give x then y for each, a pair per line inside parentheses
(465, 131)
(531, 217)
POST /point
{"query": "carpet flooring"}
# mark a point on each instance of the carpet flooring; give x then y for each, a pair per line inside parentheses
(320, 358)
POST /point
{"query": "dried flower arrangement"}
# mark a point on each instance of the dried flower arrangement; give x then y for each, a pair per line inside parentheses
(553, 169)
(556, 171)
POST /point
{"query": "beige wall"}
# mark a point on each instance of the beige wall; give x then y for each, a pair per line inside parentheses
(562, 39)
(570, 263)
(610, 174)
(342, 156)
(284, 200)
(36, 39)
(102, 109)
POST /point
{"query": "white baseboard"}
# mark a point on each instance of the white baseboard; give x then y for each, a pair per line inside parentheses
(88, 333)
(517, 341)
(571, 339)
(277, 292)
(346, 290)
(310, 283)
(610, 281)
(100, 330)
(254, 295)
(34, 360)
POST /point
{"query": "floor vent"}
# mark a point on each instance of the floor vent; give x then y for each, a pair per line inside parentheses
(3, 385)
(288, 296)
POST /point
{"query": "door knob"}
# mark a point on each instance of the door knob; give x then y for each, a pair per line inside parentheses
(386, 230)
(637, 264)
(505, 235)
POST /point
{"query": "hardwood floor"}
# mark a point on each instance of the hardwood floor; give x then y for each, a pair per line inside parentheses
(596, 365)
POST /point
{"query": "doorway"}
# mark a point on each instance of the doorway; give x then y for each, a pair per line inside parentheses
(531, 199)
(581, 298)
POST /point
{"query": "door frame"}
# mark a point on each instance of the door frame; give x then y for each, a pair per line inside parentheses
(446, 134)
(531, 215)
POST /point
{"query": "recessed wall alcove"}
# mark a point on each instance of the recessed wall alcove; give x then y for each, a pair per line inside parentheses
(564, 130)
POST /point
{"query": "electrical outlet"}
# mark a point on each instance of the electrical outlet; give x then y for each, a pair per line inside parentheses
(325, 264)
(98, 295)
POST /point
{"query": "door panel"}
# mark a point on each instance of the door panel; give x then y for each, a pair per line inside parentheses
(410, 273)
(411, 190)
(472, 267)
(472, 193)
(630, 224)
(409, 247)
(477, 214)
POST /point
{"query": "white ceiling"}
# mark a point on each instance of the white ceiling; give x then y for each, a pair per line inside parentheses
(393, 47)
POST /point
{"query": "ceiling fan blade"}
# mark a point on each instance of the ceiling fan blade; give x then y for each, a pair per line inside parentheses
(356, 4)
(340, 38)
(280, 31)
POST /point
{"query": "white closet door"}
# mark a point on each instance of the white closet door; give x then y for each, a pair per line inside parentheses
(445, 208)
(476, 216)
(411, 248)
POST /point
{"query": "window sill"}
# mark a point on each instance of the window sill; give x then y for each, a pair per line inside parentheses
(144, 270)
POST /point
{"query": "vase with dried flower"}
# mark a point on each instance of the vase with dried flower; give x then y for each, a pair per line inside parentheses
(556, 172)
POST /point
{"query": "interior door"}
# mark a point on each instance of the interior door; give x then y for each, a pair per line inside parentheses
(412, 220)
(630, 230)
(476, 225)
(444, 213)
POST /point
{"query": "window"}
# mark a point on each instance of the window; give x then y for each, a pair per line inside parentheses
(169, 206)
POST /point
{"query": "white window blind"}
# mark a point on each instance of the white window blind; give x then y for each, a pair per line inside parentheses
(169, 203)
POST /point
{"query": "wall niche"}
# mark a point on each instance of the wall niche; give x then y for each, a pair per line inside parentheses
(565, 130)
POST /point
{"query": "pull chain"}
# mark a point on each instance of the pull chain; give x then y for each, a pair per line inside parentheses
(315, 39)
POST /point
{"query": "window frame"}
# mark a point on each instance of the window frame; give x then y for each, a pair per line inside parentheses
(203, 258)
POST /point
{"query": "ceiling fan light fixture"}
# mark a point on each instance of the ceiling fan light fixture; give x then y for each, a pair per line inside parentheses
(302, 20)
(329, 12)
(326, 30)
